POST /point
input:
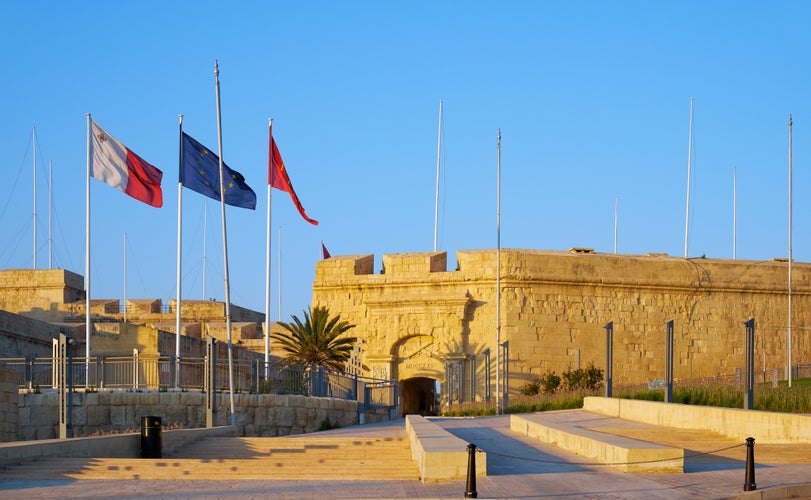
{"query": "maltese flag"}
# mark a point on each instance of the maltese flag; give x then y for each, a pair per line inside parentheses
(112, 163)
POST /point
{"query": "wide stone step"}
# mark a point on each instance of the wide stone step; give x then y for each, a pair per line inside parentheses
(118, 469)
(244, 458)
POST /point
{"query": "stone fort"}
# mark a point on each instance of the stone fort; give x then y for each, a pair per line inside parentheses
(435, 330)
(429, 327)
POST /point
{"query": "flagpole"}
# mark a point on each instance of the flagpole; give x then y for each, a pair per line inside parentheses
(205, 242)
(267, 254)
(438, 156)
(498, 278)
(178, 305)
(734, 212)
(790, 190)
(280, 272)
(225, 249)
(88, 327)
(616, 220)
(50, 214)
(689, 160)
(34, 134)
(125, 276)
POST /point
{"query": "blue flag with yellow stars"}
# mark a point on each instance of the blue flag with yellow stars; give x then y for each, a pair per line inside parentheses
(200, 171)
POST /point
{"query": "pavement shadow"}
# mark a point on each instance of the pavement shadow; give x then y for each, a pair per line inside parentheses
(510, 453)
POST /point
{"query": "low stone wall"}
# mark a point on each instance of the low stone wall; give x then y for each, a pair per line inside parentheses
(764, 426)
(256, 414)
(114, 446)
(8, 405)
(440, 455)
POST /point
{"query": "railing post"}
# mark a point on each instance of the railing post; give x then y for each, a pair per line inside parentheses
(135, 367)
(669, 362)
(100, 375)
(61, 364)
(749, 389)
(609, 359)
(210, 383)
(29, 372)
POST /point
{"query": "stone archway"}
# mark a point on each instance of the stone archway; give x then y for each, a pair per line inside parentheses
(418, 396)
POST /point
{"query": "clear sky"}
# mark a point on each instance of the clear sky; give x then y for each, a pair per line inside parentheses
(592, 98)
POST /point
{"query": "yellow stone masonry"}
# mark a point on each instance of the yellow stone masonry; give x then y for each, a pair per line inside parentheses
(416, 317)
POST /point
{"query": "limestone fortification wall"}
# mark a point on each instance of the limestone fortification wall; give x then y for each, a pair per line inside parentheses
(8, 405)
(415, 316)
(256, 414)
(39, 293)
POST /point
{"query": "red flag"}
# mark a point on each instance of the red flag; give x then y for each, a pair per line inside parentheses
(324, 253)
(277, 175)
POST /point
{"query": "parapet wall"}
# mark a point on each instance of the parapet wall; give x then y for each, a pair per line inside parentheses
(256, 414)
(554, 307)
(8, 404)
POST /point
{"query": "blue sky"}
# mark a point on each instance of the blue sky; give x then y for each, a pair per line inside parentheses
(592, 98)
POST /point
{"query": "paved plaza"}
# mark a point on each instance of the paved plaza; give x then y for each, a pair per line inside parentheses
(518, 467)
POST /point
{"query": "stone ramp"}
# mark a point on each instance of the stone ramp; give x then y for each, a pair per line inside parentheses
(248, 458)
(588, 434)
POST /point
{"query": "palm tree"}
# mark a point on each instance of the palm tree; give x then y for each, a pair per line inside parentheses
(317, 340)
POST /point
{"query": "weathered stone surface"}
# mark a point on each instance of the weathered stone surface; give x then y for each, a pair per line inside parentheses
(416, 316)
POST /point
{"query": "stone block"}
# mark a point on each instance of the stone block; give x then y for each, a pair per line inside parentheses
(98, 416)
(286, 417)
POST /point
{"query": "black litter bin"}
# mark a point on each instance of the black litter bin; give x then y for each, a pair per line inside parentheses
(151, 437)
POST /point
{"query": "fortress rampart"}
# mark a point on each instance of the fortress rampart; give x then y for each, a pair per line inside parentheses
(417, 319)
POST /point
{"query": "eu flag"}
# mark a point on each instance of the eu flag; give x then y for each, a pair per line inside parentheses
(200, 171)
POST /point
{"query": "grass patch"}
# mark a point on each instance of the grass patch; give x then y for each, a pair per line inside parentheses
(781, 399)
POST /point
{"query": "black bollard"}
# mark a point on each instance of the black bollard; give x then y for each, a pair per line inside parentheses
(470, 488)
(749, 481)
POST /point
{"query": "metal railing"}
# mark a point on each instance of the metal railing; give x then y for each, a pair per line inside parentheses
(144, 372)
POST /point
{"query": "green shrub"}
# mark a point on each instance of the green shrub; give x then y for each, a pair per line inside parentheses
(549, 382)
(530, 388)
(588, 379)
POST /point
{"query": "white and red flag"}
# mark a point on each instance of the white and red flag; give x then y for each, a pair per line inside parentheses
(113, 163)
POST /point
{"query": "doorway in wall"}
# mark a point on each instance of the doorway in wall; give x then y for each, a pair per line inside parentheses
(418, 396)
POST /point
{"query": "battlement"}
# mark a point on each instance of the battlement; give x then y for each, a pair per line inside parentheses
(573, 266)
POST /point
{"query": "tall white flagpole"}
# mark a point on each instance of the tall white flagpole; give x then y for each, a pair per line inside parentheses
(88, 326)
(689, 165)
(790, 190)
(498, 277)
(225, 250)
(125, 276)
(438, 157)
(734, 212)
(280, 272)
(205, 240)
(34, 134)
(50, 213)
(267, 254)
(616, 220)
(178, 300)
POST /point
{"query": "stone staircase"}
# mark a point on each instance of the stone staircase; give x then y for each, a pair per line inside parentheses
(255, 458)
